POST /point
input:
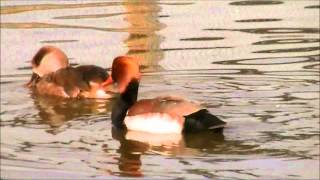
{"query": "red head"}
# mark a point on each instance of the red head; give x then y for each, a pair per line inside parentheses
(124, 70)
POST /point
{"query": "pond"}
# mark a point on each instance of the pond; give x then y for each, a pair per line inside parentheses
(254, 64)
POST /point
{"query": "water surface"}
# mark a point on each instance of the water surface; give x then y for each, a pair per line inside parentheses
(255, 64)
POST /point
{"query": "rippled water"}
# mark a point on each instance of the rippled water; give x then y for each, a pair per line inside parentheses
(255, 64)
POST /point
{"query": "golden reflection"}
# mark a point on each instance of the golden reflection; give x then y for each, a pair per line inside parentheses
(143, 41)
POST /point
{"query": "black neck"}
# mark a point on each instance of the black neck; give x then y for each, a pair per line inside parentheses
(125, 101)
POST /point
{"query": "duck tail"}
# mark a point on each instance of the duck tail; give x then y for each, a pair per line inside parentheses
(202, 120)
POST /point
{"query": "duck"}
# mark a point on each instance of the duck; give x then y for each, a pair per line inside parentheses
(53, 75)
(161, 115)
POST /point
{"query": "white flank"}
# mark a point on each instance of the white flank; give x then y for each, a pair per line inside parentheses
(159, 123)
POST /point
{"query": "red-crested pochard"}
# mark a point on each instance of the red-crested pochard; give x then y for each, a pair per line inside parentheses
(52, 75)
(164, 114)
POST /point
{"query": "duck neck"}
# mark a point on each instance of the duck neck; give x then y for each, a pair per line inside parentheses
(125, 101)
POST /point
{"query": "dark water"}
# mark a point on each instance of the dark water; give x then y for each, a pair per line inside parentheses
(255, 64)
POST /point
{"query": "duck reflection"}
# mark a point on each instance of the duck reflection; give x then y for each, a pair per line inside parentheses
(133, 145)
(130, 154)
(55, 111)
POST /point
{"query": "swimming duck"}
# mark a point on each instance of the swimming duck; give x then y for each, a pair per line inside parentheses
(52, 75)
(165, 114)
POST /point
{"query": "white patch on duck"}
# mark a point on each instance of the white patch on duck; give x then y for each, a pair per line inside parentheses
(160, 123)
(102, 94)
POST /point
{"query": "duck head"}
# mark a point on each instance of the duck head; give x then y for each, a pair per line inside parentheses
(125, 69)
(47, 60)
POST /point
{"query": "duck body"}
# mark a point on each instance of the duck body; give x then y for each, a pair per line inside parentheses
(159, 115)
(83, 81)
(166, 114)
(52, 75)
(169, 114)
(57, 84)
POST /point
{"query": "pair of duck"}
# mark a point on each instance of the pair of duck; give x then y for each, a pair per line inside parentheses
(52, 75)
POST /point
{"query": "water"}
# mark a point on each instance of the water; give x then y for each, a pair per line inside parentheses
(255, 64)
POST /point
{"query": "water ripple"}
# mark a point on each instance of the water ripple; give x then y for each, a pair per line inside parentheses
(274, 30)
(255, 3)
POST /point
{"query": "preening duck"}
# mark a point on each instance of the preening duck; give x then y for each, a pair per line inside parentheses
(164, 114)
(52, 75)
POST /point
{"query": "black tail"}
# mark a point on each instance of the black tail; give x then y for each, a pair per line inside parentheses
(202, 120)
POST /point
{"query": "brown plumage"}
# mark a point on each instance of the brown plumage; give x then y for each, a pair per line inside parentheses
(65, 82)
(52, 75)
(172, 105)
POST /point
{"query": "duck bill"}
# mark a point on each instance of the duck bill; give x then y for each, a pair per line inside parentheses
(34, 79)
(108, 81)
(109, 86)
